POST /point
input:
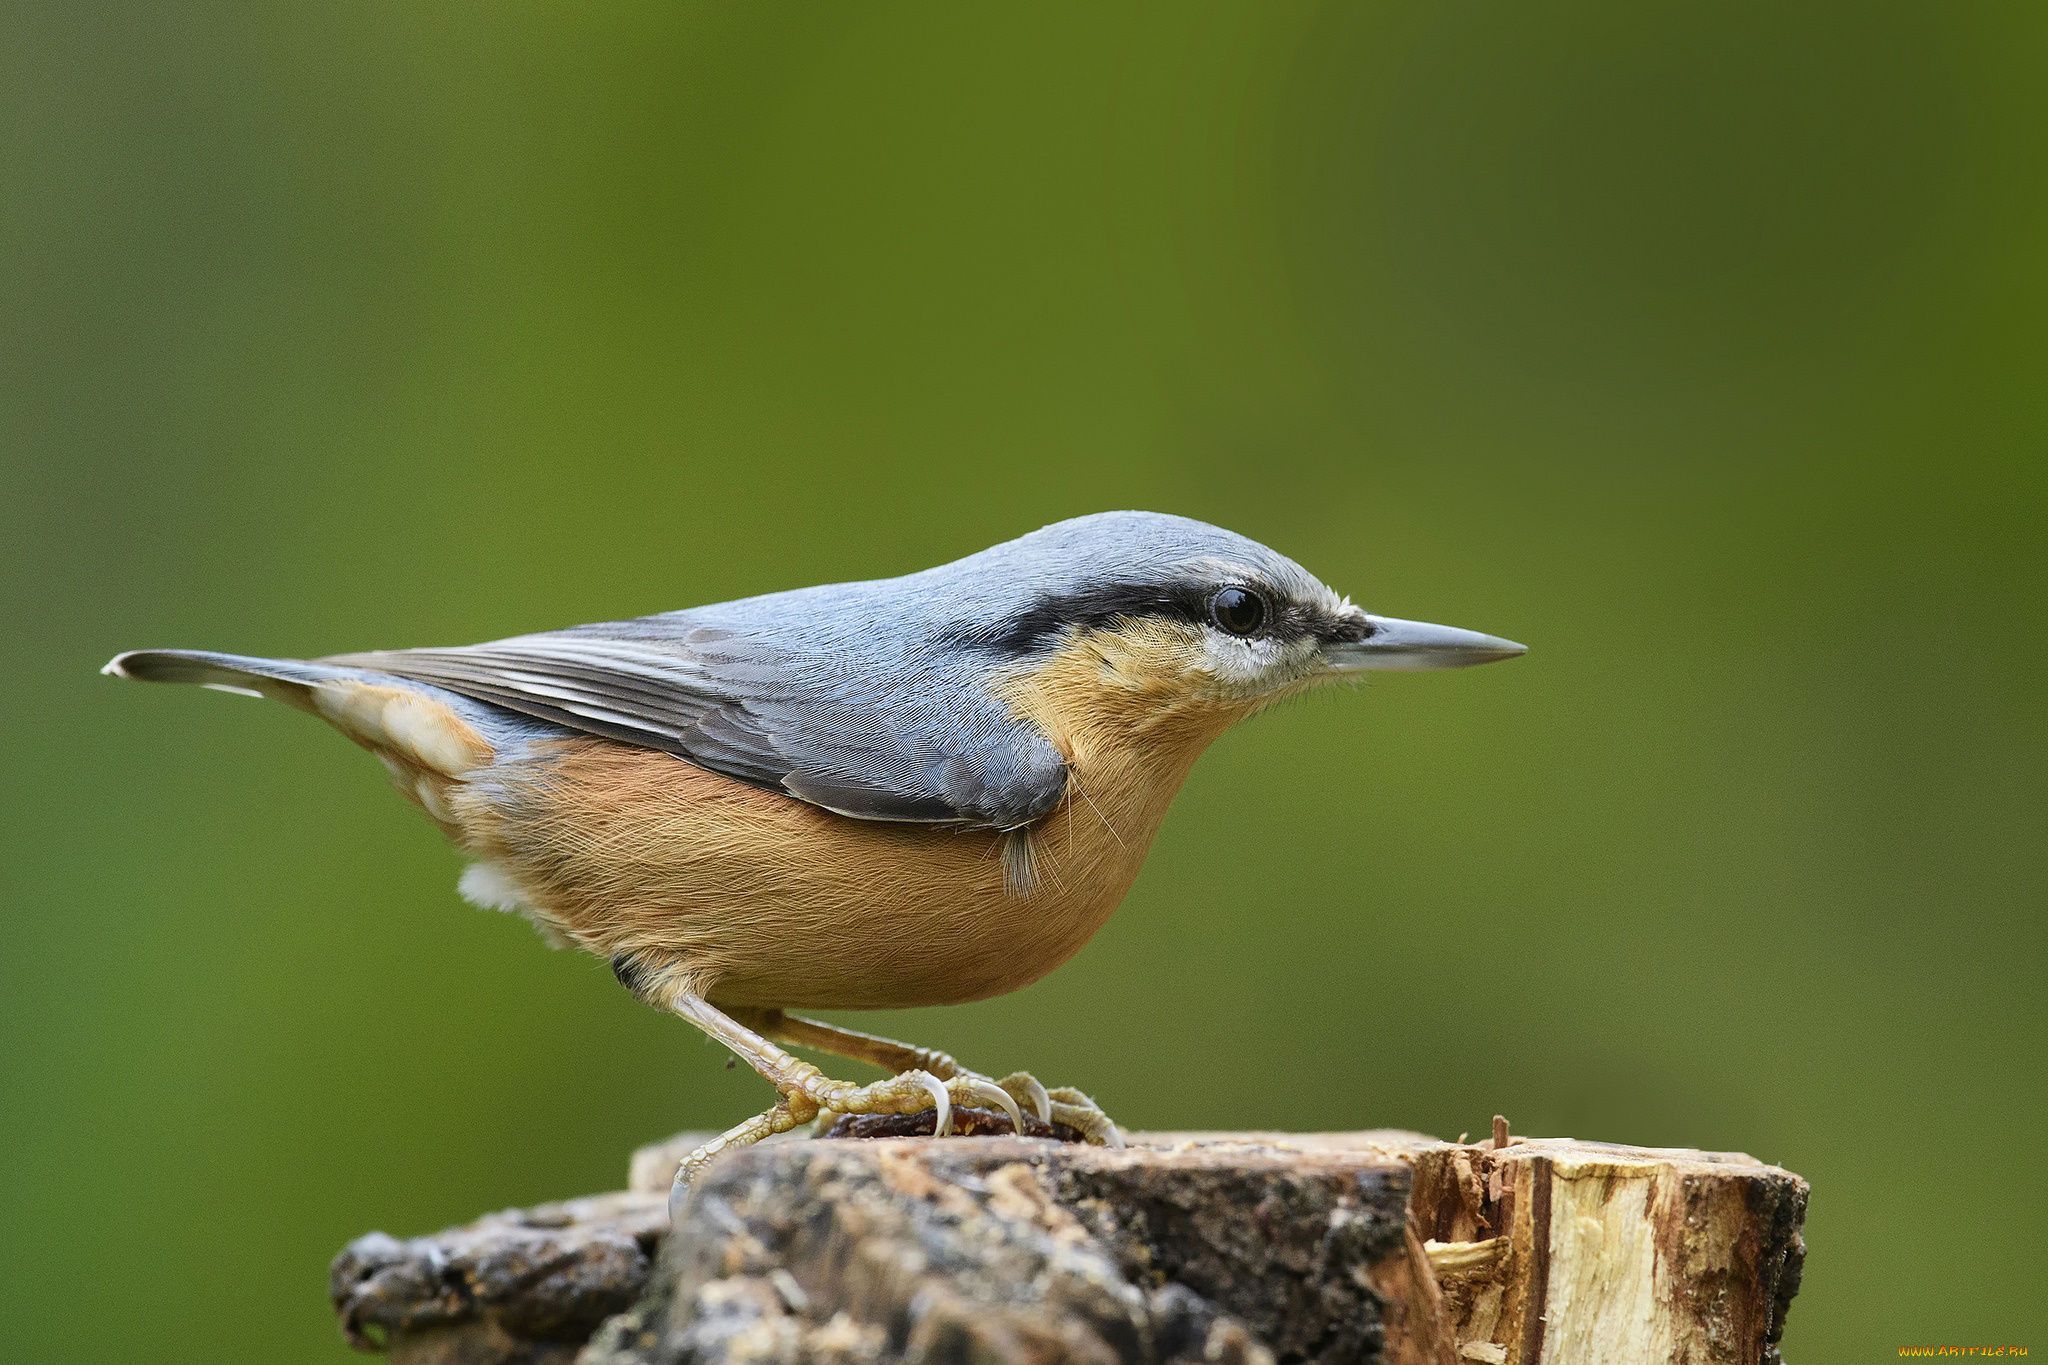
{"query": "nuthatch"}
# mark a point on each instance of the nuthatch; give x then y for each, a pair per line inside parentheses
(912, 791)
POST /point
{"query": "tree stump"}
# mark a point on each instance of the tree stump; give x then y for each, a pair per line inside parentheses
(1220, 1248)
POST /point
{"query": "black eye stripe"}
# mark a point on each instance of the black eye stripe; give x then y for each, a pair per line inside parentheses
(1046, 618)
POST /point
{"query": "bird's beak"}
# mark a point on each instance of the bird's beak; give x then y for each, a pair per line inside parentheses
(1398, 644)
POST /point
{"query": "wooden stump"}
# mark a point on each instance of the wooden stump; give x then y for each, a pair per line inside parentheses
(1222, 1248)
(523, 1287)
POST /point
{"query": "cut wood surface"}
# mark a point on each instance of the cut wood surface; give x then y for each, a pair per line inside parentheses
(1212, 1247)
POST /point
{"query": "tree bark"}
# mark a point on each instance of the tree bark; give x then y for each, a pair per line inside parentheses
(1221, 1248)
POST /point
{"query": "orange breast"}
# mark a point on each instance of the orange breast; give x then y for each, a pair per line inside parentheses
(760, 899)
(751, 897)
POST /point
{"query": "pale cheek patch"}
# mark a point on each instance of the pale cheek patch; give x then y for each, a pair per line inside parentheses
(414, 728)
(1252, 670)
(1239, 665)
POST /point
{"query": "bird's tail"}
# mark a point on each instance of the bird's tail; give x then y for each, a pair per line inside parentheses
(425, 725)
(286, 680)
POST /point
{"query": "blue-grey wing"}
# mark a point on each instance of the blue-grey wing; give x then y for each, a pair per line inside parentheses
(877, 737)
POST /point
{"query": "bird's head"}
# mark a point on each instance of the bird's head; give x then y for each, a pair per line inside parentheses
(1143, 620)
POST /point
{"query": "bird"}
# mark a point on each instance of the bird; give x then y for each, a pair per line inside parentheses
(922, 790)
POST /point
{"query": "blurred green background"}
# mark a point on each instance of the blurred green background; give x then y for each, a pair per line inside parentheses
(1701, 347)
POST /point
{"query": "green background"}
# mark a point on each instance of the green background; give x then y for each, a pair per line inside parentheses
(1699, 346)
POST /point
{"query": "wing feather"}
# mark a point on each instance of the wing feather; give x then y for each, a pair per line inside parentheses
(917, 742)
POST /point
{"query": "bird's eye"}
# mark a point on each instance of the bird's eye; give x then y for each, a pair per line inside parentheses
(1238, 610)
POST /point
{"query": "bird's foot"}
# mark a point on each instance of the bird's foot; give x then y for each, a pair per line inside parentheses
(1065, 1105)
(1065, 1113)
(924, 1080)
(911, 1092)
(1014, 1092)
(807, 1093)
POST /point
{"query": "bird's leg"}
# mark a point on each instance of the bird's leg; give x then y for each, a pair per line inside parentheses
(806, 1090)
(911, 1092)
(1064, 1105)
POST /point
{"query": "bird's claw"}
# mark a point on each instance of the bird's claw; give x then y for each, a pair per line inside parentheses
(1063, 1105)
(1084, 1116)
(1023, 1087)
(942, 1101)
(981, 1091)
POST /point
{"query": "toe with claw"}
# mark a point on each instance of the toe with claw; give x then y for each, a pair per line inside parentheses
(810, 1094)
(1083, 1115)
(1023, 1087)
